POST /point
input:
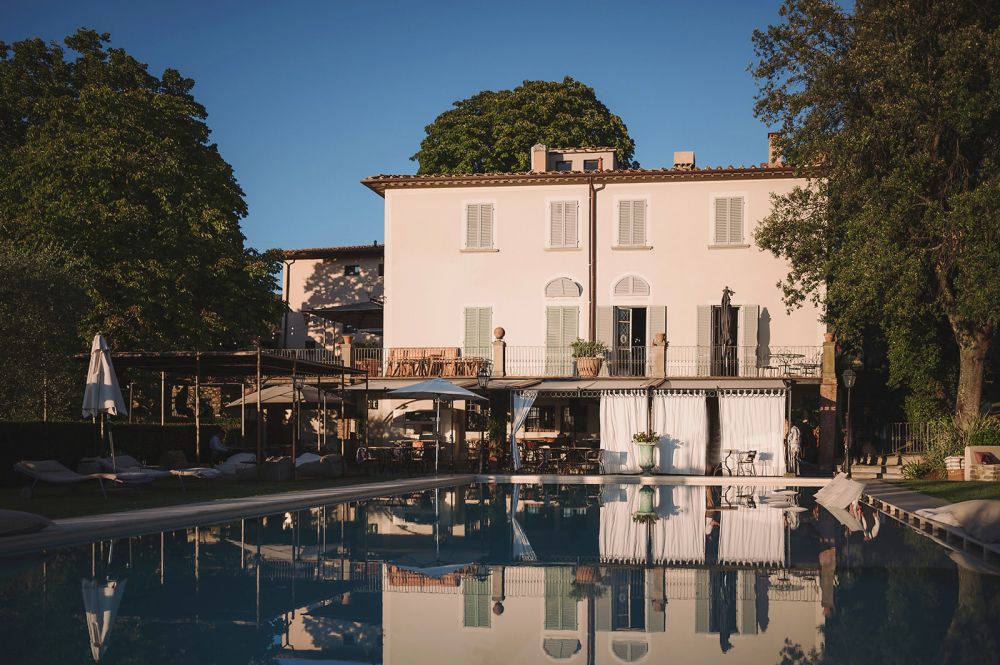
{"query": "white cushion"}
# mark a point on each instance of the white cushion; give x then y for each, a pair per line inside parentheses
(979, 518)
(306, 458)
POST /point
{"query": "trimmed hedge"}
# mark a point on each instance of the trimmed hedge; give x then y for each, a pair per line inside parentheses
(68, 442)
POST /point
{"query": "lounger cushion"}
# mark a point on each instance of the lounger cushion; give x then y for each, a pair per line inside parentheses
(15, 522)
(51, 471)
(979, 518)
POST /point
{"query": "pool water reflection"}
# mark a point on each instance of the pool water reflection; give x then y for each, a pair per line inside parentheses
(509, 574)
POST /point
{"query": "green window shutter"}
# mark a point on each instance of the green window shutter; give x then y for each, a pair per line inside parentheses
(624, 222)
(485, 327)
(560, 607)
(478, 328)
(638, 222)
(486, 225)
(472, 226)
(571, 230)
(476, 605)
(570, 325)
(557, 224)
(704, 339)
(736, 220)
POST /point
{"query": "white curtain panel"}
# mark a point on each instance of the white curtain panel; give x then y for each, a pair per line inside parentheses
(754, 420)
(752, 536)
(679, 534)
(621, 539)
(521, 549)
(521, 405)
(681, 419)
(623, 414)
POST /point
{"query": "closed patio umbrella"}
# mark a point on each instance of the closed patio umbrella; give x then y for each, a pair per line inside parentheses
(100, 603)
(102, 394)
(439, 390)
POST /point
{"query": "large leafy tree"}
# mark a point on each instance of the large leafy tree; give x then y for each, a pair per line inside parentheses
(894, 109)
(494, 130)
(114, 166)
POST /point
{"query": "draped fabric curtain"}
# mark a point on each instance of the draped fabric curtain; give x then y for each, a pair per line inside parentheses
(623, 413)
(752, 536)
(521, 546)
(755, 420)
(621, 539)
(682, 422)
(679, 534)
(521, 405)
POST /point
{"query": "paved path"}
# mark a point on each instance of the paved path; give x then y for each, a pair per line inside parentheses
(900, 497)
(82, 530)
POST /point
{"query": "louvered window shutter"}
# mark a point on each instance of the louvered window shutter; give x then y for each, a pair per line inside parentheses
(560, 607)
(553, 327)
(657, 323)
(472, 226)
(485, 328)
(476, 610)
(571, 209)
(721, 221)
(471, 327)
(557, 225)
(736, 220)
(704, 339)
(486, 225)
(606, 326)
(570, 325)
(750, 352)
(638, 222)
(624, 222)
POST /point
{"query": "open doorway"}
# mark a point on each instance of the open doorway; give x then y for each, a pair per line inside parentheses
(629, 354)
(725, 348)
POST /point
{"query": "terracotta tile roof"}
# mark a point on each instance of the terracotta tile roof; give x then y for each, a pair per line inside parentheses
(374, 249)
(382, 182)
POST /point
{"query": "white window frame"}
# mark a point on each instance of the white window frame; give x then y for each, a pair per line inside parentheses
(744, 241)
(549, 206)
(616, 227)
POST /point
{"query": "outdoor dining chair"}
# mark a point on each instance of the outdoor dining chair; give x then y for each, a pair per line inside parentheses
(745, 463)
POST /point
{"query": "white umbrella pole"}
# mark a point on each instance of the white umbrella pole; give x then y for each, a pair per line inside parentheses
(437, 430)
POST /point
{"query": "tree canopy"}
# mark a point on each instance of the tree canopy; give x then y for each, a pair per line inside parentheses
(493, 131)
(894, 111)
(113, 166)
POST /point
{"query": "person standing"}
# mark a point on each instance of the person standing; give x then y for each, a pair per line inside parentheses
(793, 447)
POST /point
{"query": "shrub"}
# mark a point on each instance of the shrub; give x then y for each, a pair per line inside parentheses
(584, 349)
(917, 470)
(948, 438)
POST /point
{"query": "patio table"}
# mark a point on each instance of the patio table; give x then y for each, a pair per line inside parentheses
(725, 462)
(785, 359)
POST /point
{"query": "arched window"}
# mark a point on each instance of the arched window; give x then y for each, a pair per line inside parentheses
(560, 649)
(632, 285)
(562, 287)
(629, 651)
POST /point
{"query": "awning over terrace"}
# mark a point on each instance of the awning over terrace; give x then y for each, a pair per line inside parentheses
(223, 363)
(377, 385)
(361, 315)
(580, 384)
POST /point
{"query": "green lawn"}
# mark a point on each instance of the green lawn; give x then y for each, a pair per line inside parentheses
(56, 502)
(953, 490)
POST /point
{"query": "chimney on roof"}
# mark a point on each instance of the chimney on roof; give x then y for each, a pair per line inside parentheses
(774, 157)
(684, 159)
(539, 157)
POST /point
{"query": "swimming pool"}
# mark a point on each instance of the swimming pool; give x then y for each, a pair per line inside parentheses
(500, 573)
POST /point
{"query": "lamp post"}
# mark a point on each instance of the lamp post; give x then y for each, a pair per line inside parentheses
(483, 379)
(849, 377)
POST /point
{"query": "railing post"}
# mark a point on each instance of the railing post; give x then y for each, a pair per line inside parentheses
(346, 355)
(658, 353)
(499, 354)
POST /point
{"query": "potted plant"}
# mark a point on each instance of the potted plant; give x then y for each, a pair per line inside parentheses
(647, 443)
(646, 513)
(589, 356)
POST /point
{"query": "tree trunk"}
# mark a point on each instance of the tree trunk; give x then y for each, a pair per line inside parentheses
(972, 348)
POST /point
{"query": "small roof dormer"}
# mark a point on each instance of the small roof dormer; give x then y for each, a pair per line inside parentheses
(545, 159)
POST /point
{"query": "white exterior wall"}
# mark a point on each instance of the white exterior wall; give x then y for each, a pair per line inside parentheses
(430, 279)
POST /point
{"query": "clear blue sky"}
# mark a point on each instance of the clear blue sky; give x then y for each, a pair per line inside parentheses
(306, 98)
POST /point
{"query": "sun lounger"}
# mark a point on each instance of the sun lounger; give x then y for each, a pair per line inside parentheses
(240, 465)
(52, 472)
(128, 464)
(200, 473)
(327, 466)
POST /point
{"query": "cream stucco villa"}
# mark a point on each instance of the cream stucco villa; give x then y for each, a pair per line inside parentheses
(499, 273)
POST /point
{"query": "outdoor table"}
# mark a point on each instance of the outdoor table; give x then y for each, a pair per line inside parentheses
(785, 359)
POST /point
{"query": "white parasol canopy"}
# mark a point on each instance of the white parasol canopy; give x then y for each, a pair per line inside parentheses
(439, 390)
(102, 394)
(100, 602)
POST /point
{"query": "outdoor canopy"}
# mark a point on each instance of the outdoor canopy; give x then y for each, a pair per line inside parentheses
(439, 390)
(282, 394)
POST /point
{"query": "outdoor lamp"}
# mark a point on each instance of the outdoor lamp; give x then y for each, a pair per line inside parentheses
(849, 376)
(483, 377)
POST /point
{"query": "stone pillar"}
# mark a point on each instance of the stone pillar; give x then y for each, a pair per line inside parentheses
(499, 366)
(346, 354)
(828, 438)
(658, 359)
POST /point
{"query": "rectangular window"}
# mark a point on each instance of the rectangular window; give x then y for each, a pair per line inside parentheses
(541, 419)
(381, 270)
(728, 221)
(564, 165)
(478, 331)
(352, 270)
(631, 223)
(479, 226)
(574, 418)
(563, 224)
(591, 165)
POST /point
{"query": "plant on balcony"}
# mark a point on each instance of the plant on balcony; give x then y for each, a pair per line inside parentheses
(589, 356)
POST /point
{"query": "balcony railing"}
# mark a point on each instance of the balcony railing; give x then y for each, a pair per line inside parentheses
(448, 361)
(312, 355)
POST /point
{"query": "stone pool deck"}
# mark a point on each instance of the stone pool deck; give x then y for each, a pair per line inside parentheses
(81, 530)
(742, 481)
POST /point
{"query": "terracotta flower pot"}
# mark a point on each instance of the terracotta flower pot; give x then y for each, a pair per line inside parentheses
(589, 367)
